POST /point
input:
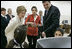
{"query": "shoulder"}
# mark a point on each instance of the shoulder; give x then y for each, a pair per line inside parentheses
(13, 16)
(7, 15)
(38, 16)
(14, 20)
(53, 8)
(30, 15)
(1, 17)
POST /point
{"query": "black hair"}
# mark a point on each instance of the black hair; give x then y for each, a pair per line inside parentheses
(20, 33)
(45, 1)
(3, 9)
(34, 7)
(61, 30)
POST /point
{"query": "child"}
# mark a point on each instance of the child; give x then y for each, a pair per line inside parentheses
(59, 32)
(19, 38)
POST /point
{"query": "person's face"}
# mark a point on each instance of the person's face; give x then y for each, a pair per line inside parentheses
(3, 12)
(34, 11)
(46, 5)
(9, 11)
(58, 34)
(22, 14)
(40, 13)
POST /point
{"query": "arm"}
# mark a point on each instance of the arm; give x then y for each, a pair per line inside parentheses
(26, 21)
(11, 44)
(10, 26)
(39, 22)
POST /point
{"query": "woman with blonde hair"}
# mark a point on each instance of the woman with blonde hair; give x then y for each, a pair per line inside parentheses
(15, 22)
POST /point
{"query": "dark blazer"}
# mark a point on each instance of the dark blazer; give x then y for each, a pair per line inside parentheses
(8, 17)
(51, 21)
(4, 23)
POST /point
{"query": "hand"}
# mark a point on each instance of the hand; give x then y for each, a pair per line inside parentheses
(29, 23)
(34, 24)
(40, 25)
(43, 34)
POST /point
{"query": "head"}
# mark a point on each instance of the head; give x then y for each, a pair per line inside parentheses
(3, 11)
(67, 28)
(40, 13)
(59, 32)
(34, 10)
(21, 11)
(46, 4)
(9, 11)
(20, 33)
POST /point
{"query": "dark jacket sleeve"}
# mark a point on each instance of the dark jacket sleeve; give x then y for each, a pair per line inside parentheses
(55, 20)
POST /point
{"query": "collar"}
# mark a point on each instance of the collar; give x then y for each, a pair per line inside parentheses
(16, 42)
(3, 15)
(19, 44)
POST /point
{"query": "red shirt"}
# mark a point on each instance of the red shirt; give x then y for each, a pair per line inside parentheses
(33, 31)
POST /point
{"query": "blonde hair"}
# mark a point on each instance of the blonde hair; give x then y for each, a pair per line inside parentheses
(20, 9)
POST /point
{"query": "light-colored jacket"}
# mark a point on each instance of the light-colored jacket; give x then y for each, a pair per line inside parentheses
(9, 31)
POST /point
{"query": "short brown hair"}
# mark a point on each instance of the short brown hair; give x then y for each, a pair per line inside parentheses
(20, 8)
(3, 9)
(34, 7)
(45, 1)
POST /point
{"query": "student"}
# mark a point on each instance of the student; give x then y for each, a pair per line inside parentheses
(59, 32)
(9, 15)
(15, 22)
(4, 23)
(32, 21)
(19, 38)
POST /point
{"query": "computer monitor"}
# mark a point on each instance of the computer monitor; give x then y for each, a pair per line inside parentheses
(53, 42)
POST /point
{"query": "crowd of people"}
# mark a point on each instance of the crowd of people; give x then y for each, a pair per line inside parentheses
(36, 26)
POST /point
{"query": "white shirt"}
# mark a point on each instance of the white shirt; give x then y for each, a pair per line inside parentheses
(35, 17)
(15, 46)
(13, 24)
(65, 35)
(4, 16)
(42, 20)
